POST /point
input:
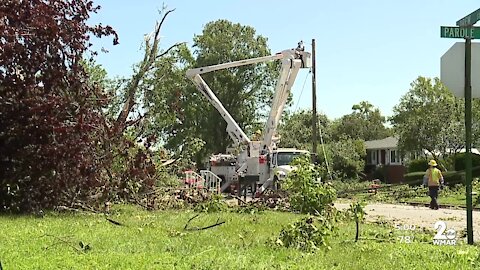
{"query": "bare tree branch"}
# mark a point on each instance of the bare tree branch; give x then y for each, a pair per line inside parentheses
(190, 220)
(186, 228)
(151, 51)
(171, 47)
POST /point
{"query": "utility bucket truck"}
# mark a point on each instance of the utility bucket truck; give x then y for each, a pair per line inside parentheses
(259, 162)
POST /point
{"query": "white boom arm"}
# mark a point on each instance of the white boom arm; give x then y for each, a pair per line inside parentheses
(233, 129)
(292, 61)
(279, 100)
(291, 64)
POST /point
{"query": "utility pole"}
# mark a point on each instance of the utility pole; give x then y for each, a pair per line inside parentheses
(314, 102)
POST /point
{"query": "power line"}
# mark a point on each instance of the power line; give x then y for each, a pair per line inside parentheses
(303, 87)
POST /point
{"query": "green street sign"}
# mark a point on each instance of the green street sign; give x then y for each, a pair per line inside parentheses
(459, 32)
(470, 19)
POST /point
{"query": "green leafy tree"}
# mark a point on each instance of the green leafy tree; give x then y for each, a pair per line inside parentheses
(244, 91)
(308, 195)
(345, 157)
(357, 212)
(429, 117)
(296, 129)
(365, 123)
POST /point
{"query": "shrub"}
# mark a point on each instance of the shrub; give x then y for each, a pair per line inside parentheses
(460, 161)
(418, 165)
(348, 186)
(451, 177)
(309, 234)
(379, 173)
(414, 178)
(305, 191)
(357, 212)
(212, 205)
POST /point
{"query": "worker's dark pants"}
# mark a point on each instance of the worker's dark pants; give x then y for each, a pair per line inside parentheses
(433, 193)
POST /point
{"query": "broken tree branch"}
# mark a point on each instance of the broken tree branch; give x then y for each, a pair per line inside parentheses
(151, 51)
(170, 48)
(239, 199)
(190, 220)
(186, 228)
(65, 242)
(114, 222)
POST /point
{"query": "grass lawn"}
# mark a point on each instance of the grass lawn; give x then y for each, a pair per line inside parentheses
(157, 240)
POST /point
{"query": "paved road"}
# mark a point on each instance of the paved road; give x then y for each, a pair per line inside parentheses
(420, 216)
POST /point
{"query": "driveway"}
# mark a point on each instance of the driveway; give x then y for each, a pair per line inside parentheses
(420, 216)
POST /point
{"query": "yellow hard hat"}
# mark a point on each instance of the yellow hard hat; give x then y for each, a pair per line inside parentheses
(432, 163)
(258, 131)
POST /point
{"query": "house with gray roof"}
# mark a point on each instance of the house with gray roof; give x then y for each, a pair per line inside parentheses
(384, 153)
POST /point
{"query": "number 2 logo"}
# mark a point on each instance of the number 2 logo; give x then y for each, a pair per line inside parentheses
(441, 226)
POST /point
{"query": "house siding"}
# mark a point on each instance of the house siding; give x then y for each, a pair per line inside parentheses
(387, 156)
(394, 173)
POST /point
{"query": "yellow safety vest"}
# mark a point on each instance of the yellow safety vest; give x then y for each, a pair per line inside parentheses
(434, 175)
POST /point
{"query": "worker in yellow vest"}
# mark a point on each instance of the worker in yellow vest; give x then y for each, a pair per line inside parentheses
(434, 180)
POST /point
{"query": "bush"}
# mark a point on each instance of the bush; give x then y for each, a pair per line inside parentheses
(309, 234)
(212, 205)
(379, 173)
(349, 186)
(414, 178)
(458, 177)
(460, 161)
(451, 177)
(418, 165)
(305, 191)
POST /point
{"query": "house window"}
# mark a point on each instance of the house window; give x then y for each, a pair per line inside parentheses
(394, 157)
(372, 157)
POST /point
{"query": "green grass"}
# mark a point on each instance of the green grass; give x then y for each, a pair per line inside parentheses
(157, 240)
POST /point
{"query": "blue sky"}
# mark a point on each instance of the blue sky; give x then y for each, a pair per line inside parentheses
(365, 50)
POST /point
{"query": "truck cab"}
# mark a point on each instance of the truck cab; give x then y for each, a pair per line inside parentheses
(281, 159)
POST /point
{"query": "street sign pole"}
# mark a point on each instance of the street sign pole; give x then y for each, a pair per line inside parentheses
(468, 137)
(467, 31)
